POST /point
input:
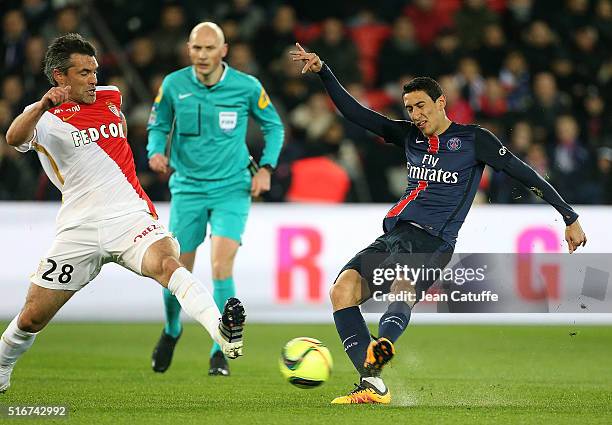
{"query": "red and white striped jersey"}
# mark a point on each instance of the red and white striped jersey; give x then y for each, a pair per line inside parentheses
(84, 150)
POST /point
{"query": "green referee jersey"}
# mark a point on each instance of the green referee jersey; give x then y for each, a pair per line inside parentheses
(210, 124)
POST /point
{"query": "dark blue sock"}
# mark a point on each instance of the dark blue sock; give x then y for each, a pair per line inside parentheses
(354, 335)
(395, 320)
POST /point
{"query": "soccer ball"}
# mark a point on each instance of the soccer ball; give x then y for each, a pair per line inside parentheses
(305, 362)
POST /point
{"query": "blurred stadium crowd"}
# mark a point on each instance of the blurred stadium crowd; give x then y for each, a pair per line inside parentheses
(536, 73)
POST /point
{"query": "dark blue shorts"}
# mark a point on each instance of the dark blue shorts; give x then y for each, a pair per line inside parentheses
(405, 245)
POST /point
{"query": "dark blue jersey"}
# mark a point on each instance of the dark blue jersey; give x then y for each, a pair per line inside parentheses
(443, 171)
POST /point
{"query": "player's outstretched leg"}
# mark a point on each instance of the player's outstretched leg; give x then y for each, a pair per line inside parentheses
(13, 344)
(355, 336)
(161, 263)
(200, 305)
(40, 307)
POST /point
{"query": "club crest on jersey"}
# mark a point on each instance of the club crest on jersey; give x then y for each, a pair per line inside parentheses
(453, 144)
(228, 120)
(113, 109)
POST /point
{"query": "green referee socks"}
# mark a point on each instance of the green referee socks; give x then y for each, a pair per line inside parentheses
(173, 314)
(222, 290)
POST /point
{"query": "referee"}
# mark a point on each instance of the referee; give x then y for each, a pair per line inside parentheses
(206, 108)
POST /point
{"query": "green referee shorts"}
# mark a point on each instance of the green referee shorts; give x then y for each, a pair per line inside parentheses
(224, 204)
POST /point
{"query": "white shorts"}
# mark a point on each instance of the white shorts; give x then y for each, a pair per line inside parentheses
(78, 253)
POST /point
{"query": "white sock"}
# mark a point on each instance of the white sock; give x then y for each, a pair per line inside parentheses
(377, 382)
(13, 343)
(196, 301)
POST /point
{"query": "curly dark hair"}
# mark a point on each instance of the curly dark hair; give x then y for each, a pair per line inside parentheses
(58, 53)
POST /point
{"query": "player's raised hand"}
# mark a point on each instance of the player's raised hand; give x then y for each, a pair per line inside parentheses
(311, 60)
(55, 96)
(159, 163)
(574, 236)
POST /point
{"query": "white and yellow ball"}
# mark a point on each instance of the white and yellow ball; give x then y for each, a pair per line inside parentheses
(305, 362)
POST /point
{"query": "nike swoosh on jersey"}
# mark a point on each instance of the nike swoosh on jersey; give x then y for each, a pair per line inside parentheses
(184, 95)
(421, 141)
(68, 117)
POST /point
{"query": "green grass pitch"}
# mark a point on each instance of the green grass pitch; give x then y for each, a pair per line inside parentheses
(441, 374)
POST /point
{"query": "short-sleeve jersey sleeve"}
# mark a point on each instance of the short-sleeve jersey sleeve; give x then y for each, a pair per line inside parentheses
(38, 130)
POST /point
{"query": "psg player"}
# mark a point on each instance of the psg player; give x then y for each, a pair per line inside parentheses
(445, 161)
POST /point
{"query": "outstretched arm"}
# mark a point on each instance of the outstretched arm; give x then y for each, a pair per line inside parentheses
(522, 172)
(22, 128)
(491, 151)
(393, 131)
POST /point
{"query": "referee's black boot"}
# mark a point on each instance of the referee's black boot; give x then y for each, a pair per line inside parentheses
(162, 354)
(218, 365)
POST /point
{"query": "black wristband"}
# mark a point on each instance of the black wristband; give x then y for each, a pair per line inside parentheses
(268, 167)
